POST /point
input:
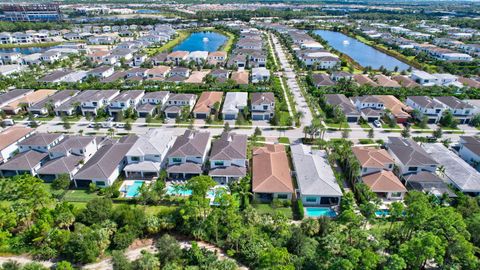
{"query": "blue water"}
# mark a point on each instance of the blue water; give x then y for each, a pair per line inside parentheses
(147, 11)
(315, 212)
(134, 189)
(195, 42)
(361, 52)
(26, 50)
(181, 192)
(382, 212)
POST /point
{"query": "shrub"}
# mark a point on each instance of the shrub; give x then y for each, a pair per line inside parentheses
(299, 210)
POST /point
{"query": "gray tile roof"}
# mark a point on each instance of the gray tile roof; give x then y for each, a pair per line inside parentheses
(127, 95)
(229, 146)
(409, 152)
(72, 142)
(191, 143)
(426, 102)
(13, 94)
(472, 143)
(24, 161)
(155, 142)
(106, 159)
(342, 102)
(42, 139)
(59, 96)
(262, 98)
(156, 95)
(454, 103)
(62, 165)
(459, 172)
(313, 172)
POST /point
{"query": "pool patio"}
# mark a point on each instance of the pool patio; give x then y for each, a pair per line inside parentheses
(130, 188)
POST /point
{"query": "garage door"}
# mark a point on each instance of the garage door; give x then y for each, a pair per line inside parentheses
(257, 117)
(83, 183)
(142, 114)
(229, 117)
(371, 119)
(431, 121)
(201, 115)
(352, 119)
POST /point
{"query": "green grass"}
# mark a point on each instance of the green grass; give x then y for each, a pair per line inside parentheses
(44, 118)
(365, 126)
(388, 127)
(366, 141)
(268, 209)
(337, 125)
(29, 45)
(79, 195)
(73, 118)
(284, 140)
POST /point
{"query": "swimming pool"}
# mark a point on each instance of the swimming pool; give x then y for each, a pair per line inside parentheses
(133, 190)
(382, 212)
(172, 190)
(315, 212)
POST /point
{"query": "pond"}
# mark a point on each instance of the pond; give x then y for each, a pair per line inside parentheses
(202, 41)
(361, 52)
(26, 50)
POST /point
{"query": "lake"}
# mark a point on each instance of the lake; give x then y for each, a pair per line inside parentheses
(26, 50)
(202, 41)
(361, 52)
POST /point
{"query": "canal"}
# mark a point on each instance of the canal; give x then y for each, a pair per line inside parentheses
(202, 41)
(25, 50)
(363, 54)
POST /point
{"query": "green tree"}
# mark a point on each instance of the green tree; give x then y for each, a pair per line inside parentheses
(405, 132)
(97, 211)
(128, 126)
(120, 261)
(146, 262)
(61, 182)
(63, 265)
(438, 133)
(169, 249)
(422, 247)
(371, 133)
(448, 120)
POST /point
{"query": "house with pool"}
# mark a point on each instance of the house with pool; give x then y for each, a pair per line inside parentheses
(317, 185)
(271, 175)
(147, 155)
(228, 158)
(188, 154)
(106, 165)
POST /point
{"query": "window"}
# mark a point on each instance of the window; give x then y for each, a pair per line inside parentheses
(311, 199)
(412, 169)
(282, 196)
(176, 160)
(265, 107)
(135, 159)
(100, 183)
(396, 194)
(218, 163)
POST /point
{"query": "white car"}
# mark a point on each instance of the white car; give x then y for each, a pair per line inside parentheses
(120, 125)
(377, 124)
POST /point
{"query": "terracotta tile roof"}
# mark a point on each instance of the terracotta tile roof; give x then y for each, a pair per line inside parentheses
(240, 77)
(30, 98)
(396, 107)
(12, 135)
(383, 181)
(271, 171)
(363, 79)
(371, 157)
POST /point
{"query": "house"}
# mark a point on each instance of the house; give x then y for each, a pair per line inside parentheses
(147, 155)
(40, 142)
(238, 60)
(316, 180)
(179, 71)
(469, 150)
(257, 59)
(177, 57)
(28, 162)
(399, 111)
(99, 56)
(126, 99)
(26, 101)
(426, 106)
(240, 77)
(198, 57)
(262, 105)
(13, 95)
(208, 102)
(50, 56)
(234, 103)
(341, 75)
(157, 72)
(9, 139)
(423, 78)
(445, 79)
(218, 57)
(405, 81)
(175, 103)
(469, 82)
(56, 76)
(370, 107)
(455, 171)
(96, 99)
(188, 154)
(271, 175)
(385, 81)
(106, 39)
(320, 80)
(429, 183)
(376, 166)
(342, 102)
(84, 146)
(228, 158)
(9, 70)
(410, 157)
(101, 72)
(10, 58)
(362, 79)
(136, 72)
(118, 75)
(54, 168)
(151, 102)
(103, 168)
(50, 103)
(159, 59)
(461, 110)
(31, 59)
(220, 75)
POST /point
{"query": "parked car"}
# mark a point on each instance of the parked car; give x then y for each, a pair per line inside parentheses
(8, 122)
(120, 125)
(377, 124)
(107, 125)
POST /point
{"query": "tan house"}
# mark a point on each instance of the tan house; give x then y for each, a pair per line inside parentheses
(9, 139)
(157, 72)
(177, 57)
(271, 175)
(14, 107)
(363, 79)
(206, 104)
(218, 57)
(398, 109)
(405, 81)
(376, 166)
(385, 81)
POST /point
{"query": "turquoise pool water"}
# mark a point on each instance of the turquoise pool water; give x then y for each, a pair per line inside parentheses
(315, 212)
(179, 192)
(382, 213)
(133, 190)
(202, 41)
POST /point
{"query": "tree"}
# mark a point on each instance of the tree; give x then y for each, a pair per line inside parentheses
(226, 127)
(63, 265)
(475, 120)
(405, 132)
(146, 262)
(169, 249)
(345, 133)
(61, 182)
(395, 262)
(97, 211)
(448, 120)
(66, 124)
(437, 133)
(128, 126)
(422, 247)
(371, 133)
(257, 132)
(120, 261)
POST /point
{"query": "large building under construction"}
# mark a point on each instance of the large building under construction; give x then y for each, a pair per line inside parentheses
(31, 12)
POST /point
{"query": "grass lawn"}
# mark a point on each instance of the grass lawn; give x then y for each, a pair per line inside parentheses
(73, 118)
(366, 141)
(268, 209)
(167, 47)
(366, 126)
(79, 195)
(44, 118)
(415, 126)
(44, 44)
(18, 117)
(284, 140)
(227, 47)
(337, 125)
(388, 127)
